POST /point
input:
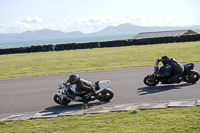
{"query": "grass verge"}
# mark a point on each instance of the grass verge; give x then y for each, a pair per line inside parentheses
(137, 121)
(42, 63)
(167, 120)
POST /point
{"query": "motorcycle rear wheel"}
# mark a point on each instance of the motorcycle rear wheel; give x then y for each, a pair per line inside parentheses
(191, 77)
(58, 100)
(106, 95)
(149, 81)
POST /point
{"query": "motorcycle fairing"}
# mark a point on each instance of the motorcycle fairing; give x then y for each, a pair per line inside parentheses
(188, 67)
(102, 85)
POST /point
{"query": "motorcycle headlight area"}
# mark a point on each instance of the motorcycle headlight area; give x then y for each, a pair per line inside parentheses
(61, 86)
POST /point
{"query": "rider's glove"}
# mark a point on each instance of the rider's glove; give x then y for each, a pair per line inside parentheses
(65, 83)
(158, 60)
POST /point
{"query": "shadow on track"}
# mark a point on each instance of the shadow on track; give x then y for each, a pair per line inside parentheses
(73, 107)
(157, 89)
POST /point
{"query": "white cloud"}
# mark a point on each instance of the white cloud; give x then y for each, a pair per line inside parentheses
(34, 19)
(89, 25)
(94, 24)
(165, 17)
(140, 20)
(24, 24)
(163, 20)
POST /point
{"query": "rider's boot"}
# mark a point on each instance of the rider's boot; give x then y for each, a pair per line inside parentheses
(178, 80)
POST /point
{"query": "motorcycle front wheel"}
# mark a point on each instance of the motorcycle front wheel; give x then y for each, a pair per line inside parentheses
(150, 81)
(191, 76)
(58, 100)
(106, 95)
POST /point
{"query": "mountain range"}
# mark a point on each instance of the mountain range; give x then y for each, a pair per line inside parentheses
(110, 30)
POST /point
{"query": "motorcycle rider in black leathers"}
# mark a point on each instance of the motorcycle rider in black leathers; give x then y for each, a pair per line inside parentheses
(82, 85)
(171, 70)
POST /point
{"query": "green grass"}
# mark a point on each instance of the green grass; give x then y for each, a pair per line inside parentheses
(42, 63)
(164, 120)
(181, 120)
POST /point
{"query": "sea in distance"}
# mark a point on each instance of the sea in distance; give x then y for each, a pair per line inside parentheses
(17, 44)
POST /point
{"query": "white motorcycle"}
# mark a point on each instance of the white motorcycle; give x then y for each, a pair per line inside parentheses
(65, 93)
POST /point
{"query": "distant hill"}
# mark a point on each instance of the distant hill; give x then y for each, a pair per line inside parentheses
(39, 35)
(133, 29)
(47, 34)
(110, 30)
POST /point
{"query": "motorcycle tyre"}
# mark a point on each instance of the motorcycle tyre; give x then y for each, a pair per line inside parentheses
(154, 83)
(57, 99)
(192, 72)
(104, 96)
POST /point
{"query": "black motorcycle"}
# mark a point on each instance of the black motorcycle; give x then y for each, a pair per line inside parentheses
(189, 75)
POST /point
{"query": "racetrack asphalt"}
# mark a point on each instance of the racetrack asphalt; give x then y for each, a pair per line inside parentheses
(33, 94)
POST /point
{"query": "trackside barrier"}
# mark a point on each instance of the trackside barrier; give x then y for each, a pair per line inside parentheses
(90, 45)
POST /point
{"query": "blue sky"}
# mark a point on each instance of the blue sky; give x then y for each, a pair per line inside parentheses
(90, 16)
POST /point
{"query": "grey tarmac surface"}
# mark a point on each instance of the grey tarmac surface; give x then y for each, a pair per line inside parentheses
(32, 94)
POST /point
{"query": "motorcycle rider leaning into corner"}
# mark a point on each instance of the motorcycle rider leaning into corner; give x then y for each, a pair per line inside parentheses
(82, 85)
(171, 70)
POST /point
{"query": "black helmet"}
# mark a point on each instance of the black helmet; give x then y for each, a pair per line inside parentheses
(165, 60)
(73, 78)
